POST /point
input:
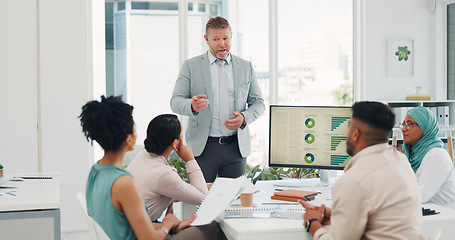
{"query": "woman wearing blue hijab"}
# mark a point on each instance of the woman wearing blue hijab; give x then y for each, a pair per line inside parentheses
(431, 163)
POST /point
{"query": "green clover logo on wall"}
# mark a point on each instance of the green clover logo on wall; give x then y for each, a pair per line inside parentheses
(403, 53)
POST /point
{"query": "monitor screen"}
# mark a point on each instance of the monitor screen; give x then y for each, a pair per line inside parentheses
(308, 136)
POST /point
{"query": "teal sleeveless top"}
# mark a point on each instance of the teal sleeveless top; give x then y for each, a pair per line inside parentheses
(99, 202)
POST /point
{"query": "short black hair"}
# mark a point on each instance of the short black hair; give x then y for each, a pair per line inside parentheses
(375, 114)
(108, 122)
(161, 132)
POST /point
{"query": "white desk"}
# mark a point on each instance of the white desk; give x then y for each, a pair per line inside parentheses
(34, 213)
(444, 220)
(274, 228)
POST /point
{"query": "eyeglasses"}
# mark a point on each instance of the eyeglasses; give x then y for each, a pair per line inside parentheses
(408, 125)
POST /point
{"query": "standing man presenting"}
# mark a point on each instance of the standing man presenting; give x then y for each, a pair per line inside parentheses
(378, 196)
(220, 94)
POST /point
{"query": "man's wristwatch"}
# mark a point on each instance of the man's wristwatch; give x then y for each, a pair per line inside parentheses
(308, 223)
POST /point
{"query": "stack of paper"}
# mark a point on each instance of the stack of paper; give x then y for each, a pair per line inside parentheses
(418, 97)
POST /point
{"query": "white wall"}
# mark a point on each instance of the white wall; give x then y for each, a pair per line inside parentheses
(65, 85)
(46, 75)
(18, 89)
(402, 18)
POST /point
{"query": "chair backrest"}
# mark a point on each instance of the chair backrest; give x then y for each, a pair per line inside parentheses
(94, 229)
(99, 230)
(450, 147)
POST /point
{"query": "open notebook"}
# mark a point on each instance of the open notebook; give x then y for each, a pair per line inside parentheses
(221, 194)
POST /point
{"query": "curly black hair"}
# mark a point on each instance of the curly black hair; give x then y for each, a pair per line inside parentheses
(107, 122)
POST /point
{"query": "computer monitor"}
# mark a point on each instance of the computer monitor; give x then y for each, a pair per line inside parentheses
(308, 136)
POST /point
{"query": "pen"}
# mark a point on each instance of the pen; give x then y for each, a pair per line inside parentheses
(306, 198)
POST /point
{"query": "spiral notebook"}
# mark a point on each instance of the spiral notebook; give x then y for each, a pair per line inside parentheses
(272, 212)
(249, 212)
(220, 195)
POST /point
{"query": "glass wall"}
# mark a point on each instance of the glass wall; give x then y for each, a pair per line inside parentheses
(315, 49)
(315, 56)
(315, 45)
(142, 53)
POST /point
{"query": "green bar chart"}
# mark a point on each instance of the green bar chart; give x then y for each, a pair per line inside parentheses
(335, 141)
(338, 159)
(337, 121)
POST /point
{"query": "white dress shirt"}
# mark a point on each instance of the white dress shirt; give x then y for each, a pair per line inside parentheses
(436, 178)
(376, 198)
(160, 184)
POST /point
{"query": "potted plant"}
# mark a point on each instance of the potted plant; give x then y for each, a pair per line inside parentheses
(1, 170)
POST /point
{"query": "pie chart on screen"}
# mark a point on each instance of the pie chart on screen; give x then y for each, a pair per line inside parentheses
(309, 123)
(309, 158)
(309, 138)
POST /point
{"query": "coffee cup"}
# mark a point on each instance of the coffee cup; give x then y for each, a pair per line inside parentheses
(246, 199)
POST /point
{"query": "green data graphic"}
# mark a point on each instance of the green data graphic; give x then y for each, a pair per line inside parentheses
(338, 159)
(337, 121)
(309, 138)
(309, 123)
(309, 158)
(335, 141)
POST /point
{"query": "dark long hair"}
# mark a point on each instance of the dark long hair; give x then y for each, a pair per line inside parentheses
(107, 122)
(161, 132)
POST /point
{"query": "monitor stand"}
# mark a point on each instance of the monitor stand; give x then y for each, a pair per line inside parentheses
(324, 176)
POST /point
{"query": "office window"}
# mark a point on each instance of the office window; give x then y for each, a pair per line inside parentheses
(120, 6)
(140, 5)
(213, 9)
(142, 54)
(252, 43)
(315, 62)
(315, 53)
(168, 6)
(315, 48)
(109, 39)
(451, 51)
(201, 7)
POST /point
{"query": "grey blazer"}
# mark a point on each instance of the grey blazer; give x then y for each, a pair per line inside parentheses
(195, 78)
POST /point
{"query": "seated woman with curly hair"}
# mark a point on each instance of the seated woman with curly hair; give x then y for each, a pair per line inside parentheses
(113, 199)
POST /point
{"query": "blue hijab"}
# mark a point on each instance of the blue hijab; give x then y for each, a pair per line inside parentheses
(429, 125)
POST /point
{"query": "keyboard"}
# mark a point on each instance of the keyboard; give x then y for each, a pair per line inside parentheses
(34, 177)
(10, 184)
(299, 183)
(428, 211)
